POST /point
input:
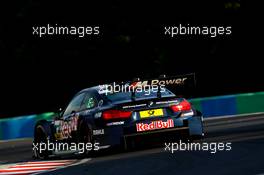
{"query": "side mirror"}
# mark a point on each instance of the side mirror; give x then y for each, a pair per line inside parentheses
(59, 114)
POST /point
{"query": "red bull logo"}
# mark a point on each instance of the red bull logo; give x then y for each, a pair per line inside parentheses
(155, 125)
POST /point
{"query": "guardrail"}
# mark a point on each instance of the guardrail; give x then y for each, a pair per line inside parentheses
(230, 104)
(23, 126)
(20, 127)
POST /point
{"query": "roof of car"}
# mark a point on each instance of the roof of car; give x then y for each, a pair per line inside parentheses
(89, 89)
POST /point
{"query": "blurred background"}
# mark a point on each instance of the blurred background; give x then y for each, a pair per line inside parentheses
(42, 74)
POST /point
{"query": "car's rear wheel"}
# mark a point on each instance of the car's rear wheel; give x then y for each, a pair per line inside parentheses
(129, 144)
(86, 138)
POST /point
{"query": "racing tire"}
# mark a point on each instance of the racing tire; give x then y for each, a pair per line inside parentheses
(86, 138)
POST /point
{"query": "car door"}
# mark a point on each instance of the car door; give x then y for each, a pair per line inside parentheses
(66, 125)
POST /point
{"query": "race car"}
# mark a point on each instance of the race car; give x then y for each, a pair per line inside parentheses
(105, 116)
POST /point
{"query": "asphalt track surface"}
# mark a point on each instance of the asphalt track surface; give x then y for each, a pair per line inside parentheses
(246, 133)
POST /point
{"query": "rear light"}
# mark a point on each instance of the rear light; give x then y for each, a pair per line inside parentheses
(116, 114)
(182, 106)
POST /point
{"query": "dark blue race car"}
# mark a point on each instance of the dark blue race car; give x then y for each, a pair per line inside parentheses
(104, 117)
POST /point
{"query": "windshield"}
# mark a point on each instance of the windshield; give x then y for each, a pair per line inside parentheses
(124, 96)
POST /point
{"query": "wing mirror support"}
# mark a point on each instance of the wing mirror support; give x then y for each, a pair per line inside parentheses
(59, 114)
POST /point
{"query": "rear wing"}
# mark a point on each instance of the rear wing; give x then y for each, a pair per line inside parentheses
(180, 85)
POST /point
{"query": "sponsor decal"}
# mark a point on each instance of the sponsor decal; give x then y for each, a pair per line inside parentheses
(98, 115)
(98, 132)
(157, 82)
(166, 102)
(115, 123)
(134, 106)
(148, 86)
(65, 128)
(155, 125)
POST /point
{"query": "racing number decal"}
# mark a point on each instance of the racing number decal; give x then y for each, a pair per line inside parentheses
(65, 128)
(151, 113)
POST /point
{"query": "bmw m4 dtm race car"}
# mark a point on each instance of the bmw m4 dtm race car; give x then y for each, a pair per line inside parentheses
(115, 114)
